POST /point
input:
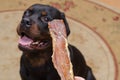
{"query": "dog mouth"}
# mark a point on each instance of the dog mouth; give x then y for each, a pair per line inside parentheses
(31, 44)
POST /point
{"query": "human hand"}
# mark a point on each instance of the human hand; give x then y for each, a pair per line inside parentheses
(79, 78)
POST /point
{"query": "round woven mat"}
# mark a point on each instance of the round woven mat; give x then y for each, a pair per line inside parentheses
(92, 45)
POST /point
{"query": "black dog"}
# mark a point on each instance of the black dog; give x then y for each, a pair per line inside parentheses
(36, 44)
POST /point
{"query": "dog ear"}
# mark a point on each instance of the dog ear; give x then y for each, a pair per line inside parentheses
(66, 23)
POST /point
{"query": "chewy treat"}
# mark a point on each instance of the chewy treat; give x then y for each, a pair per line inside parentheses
(61, 56)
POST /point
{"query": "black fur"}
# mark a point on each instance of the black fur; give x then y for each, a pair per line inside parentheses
(36, 64)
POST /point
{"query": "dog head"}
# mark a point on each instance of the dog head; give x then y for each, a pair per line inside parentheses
(33, 28)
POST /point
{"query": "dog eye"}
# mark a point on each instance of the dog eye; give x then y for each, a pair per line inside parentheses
(45, 19)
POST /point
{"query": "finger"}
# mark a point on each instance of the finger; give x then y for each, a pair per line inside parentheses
(79, 78)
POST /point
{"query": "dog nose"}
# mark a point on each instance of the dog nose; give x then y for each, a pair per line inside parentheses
(26, 22)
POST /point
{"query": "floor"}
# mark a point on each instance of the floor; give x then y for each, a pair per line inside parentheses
(95, 31)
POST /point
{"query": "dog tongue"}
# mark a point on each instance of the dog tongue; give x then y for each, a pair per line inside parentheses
(25, 41)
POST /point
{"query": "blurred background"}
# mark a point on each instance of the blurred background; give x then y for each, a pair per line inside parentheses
(95, 31)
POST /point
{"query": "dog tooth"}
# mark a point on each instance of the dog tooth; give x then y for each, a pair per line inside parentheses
(35, 42)
(41, 43)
